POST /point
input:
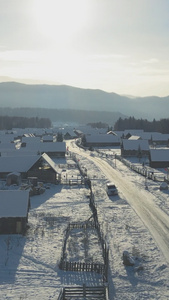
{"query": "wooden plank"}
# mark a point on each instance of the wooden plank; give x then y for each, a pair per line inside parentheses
(79, 292)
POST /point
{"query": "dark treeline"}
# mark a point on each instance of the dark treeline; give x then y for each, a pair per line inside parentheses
(132, 123)
(63, 115)
(7, 123)
(98, 125)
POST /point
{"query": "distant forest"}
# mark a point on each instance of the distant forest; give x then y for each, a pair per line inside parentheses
(98, 125)
(63, 115)
(132, 123)
(7, 123)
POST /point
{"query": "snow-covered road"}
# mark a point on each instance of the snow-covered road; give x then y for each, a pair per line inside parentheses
(141, 200)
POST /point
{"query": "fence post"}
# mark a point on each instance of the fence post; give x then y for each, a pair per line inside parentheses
(63, 293)
(84, 290)
(67, 266)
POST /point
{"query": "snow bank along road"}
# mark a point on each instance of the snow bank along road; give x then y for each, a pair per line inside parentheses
(142, 201)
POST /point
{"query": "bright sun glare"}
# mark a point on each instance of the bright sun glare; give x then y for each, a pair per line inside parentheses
(60, 19)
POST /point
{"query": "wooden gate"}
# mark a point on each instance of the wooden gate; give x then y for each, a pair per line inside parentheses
(84, 293)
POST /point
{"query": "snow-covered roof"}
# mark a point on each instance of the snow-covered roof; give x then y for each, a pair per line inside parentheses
(7, 146)
(155, 136)
(47, 147)
(133, 131)
(49, 131)
(112, 132)
(7, 137)
(135, 144)
(77, 131)
(87, 129)
(119, 133)
(159, 154)
(52, 164)
(146, 135)
(19, 152)
(34, 131)
(21, 164)
(29, 135)
(47, 138)
(134, 137)
(31, 139)
(71, 132)
(17, 163)
(102, 138)
(161, 137)
(14, 203)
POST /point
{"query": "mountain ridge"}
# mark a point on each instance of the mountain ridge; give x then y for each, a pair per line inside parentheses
(14, 94)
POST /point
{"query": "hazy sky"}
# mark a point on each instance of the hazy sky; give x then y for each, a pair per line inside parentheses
(118, 46)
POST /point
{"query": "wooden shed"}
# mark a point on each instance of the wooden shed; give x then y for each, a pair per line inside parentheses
(14, 207)
(159, 158)
(102, 140)
(134, 148)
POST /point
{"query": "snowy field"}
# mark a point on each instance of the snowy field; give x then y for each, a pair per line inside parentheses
(29, 264)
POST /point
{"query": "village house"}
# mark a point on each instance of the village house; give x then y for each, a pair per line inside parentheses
(101, 140)
(159, 139)
(70, 134)
(127, 133)
(30, 139)
(17, 164)
(7, 137)
(88, 129)
(7, 147)
(55, 149)
(30, 131)
(159, 158)
(46, 170)
(20, 152)
(14, 207)
(136, 147)
(40, 166)
(120, 134)
(49, 138)
(78, 133)
(155, 138)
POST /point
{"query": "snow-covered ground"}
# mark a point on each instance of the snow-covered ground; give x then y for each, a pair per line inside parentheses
(29, 264)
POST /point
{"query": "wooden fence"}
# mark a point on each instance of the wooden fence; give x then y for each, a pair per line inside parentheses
(144, 171)
(75, 225)
(105, 249)
(82, 169)
(81, 225)
(83, 292)
(82, 267)
(77, 180)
